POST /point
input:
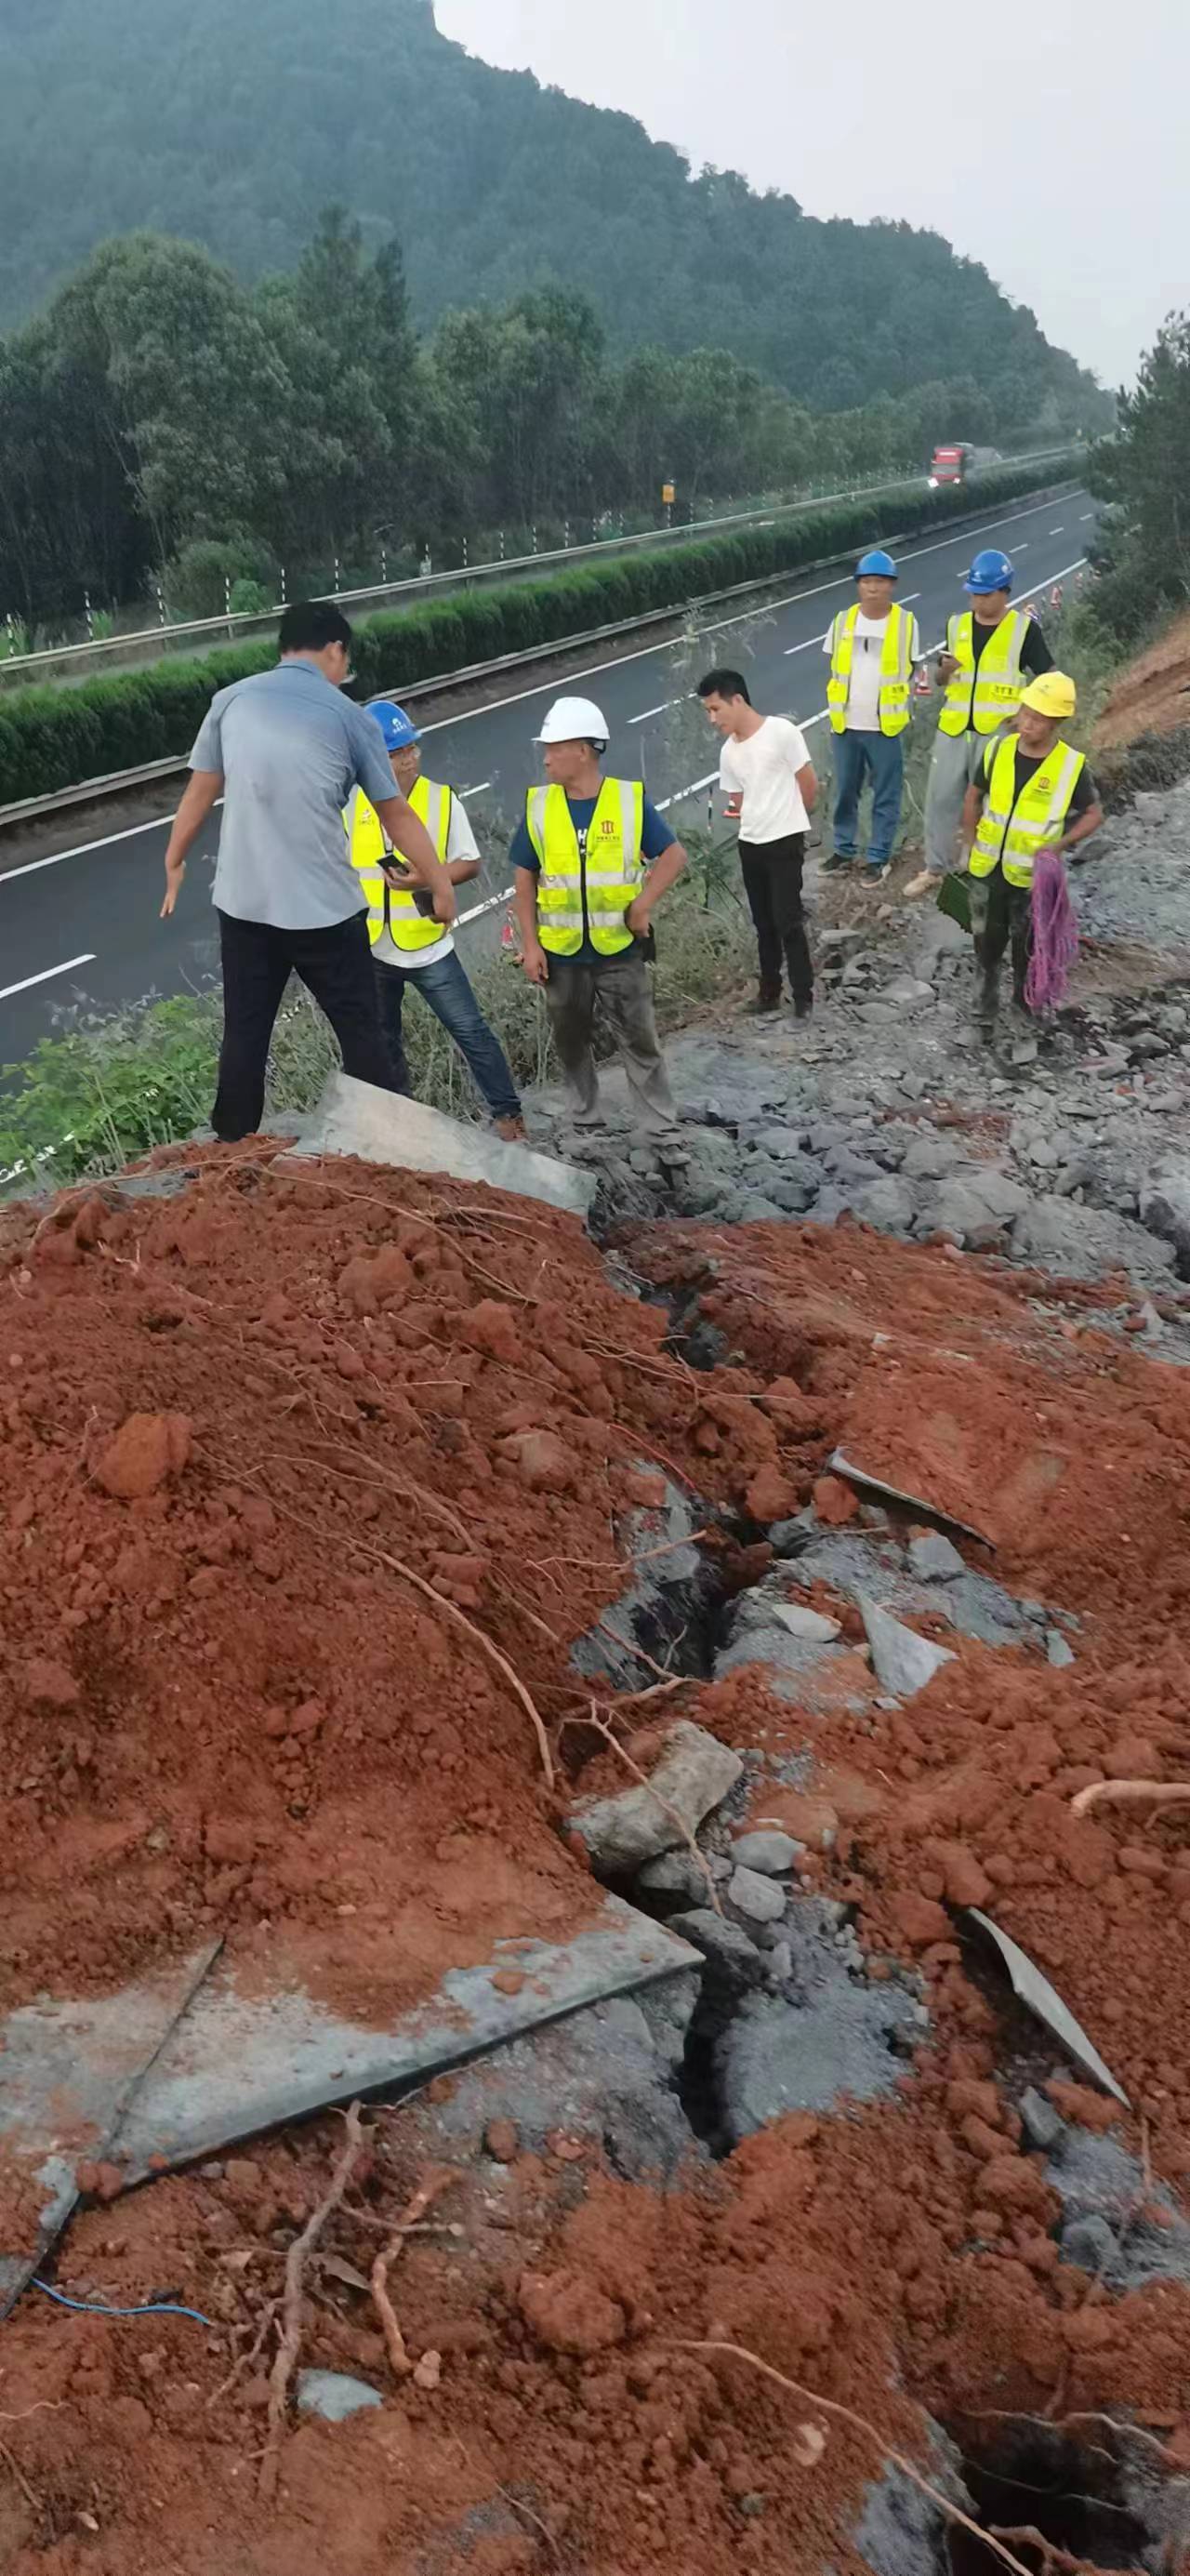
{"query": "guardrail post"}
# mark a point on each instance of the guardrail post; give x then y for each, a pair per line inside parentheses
(90, 619)
(535, 541)
(227, 600)
(384, 563)
(566, 536)
(466, 559)
(338, 577)
(161, 616)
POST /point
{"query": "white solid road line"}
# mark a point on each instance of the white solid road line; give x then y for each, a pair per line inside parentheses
(1055, 532)
(768, 608)
(47, 975)
(519, 697)
(1085, 515)
(662, 710)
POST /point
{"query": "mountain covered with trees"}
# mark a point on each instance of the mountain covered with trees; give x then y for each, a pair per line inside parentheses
(233, 124)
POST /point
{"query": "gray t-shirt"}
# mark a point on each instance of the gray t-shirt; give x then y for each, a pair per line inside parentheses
(290, 748)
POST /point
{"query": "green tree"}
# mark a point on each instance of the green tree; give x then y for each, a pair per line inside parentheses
(1145, 474)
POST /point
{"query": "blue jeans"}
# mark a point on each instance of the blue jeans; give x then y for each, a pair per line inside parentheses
(858, 755)
(446, 989)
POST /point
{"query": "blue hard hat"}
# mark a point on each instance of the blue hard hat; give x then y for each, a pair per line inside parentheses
(880, 565)
(398, 729)
(990, 571)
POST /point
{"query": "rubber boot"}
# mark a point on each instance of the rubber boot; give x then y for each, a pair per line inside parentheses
(987, 1002)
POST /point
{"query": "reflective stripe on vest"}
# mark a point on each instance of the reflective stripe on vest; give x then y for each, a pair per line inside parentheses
(370, 848)
(997, 684)
(1012, 828)
(896, 669)
(610, 873)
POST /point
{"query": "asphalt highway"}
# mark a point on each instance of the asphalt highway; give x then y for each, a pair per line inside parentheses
(80, 933)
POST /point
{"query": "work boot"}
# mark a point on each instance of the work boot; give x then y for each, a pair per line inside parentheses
(837, 865)
(804, 1010)
(512, 1131)
(768, 999)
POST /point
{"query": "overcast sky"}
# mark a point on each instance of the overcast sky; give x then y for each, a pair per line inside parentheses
(1049, 141)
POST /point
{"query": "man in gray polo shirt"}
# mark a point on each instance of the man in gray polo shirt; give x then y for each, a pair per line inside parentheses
(285, 750)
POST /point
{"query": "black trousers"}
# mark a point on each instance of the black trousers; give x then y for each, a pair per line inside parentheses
(335, 965)
(773, 885)
(1001, 917)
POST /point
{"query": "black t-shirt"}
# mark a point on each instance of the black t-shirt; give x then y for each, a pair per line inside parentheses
(1036, 656)
(1085, 791)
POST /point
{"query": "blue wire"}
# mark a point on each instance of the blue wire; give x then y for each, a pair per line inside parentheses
(95, 2308)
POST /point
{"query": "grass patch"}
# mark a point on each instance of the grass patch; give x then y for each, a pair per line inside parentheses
(88, 1102)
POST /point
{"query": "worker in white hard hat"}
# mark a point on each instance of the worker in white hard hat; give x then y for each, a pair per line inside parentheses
(592, 859)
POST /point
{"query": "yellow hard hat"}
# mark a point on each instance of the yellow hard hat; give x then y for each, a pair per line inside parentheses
(1054, 694)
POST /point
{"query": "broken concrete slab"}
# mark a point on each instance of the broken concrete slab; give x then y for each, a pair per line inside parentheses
(922, 1510)
(256, 2051)
(382, 1127)
(1043, 1999)
(903, 1661)
(71, 2070)
(693, 1773)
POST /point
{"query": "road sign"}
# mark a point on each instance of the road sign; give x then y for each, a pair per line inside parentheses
(669, 494)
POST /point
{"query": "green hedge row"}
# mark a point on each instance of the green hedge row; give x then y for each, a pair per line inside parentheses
(52, 738)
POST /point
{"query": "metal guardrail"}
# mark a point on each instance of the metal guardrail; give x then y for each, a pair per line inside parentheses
(124, 781)
(157, 642)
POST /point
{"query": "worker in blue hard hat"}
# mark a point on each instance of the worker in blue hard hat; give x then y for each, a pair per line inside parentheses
(992, 651)
(872, 646)
(411, 951)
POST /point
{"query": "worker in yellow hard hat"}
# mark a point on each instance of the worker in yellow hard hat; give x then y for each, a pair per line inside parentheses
(1033, 792)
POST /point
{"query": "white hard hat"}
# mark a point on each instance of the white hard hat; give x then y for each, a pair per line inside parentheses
(574, 720)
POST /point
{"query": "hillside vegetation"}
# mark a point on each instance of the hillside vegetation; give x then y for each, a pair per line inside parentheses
(232, 126)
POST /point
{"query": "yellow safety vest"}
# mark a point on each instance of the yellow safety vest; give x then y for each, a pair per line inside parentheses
(997, 684)
(606, 877)
(388, 908)
(896, 669)
(1012, 828)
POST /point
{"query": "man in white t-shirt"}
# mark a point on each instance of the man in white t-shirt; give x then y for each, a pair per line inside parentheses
(873, 647)
(410, 952)
(768, 778)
